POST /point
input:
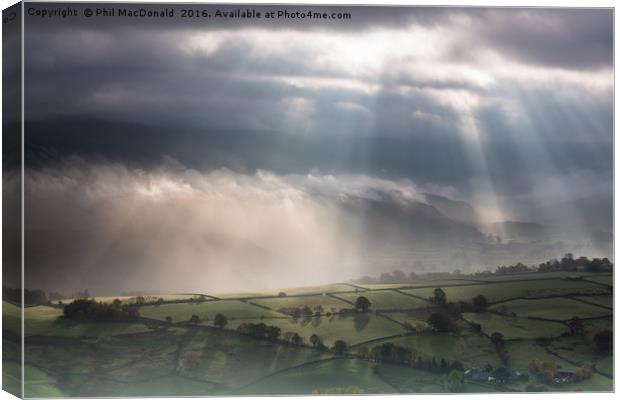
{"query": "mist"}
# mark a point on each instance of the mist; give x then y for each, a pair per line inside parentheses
(111, 228)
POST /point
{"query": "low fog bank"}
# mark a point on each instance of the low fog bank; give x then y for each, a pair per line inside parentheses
(111, 228)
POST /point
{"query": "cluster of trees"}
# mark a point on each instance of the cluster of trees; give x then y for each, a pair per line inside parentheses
(604, 341)
(395, 354)
(398, 276)
(14, 295)
(220, 321)
(513, 269)
(569, 263)
(497, 338)
(91, 310)
(263, 331)
(442, 322)
(316, 342)
(361, 304)
(444, 319)
(544, 373)
(305, 312)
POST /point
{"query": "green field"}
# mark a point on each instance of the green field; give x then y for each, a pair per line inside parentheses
(472, 350)
(325, 375)
(606, 301)
(508, 290)
(42, 320)
(387, 300)
(516, 327)
(351, 328)
(557, 309)
(206, 311)
(327, 302)
(607, 280)
(150, 356)
(542, 276)
(420, 283)
(308, 290)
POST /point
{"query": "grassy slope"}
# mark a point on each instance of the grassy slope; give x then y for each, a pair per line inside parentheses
(387, 300)
(507, 290)
(471, 350)
(559, 308)
(338, 373)
(326, 302)
(352, 329)
(206, 310)
(159, 363)
(516, 328)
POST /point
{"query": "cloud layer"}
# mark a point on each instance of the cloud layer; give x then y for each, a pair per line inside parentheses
(509, 109)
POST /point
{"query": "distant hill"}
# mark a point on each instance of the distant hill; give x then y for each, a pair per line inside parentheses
(454, 209)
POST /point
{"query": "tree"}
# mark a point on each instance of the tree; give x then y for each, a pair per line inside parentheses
(314, 339)
(497, 338)
(455, 382)
(281, 294)
(545, 376)
(220, 321)
(583, 372)
(194, 319)
(318, 310)
(604, 340)
(287, 336)
(550, 366)
(169, 320)
(297, 340)
(91, 310)
(362, 352)
(576, 326)
(362, 303)
(534, 366)
(439, 297)
(273, 333)
(340, 347)
(191, 361)
(480, 302)
(442, 322)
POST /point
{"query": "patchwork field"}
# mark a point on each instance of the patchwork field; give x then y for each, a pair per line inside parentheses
(472, 350)
(606, 301)
(557, 309)
(421, 283)
(155, 355)
(328, 303)
(516, 327)
(387, 300)
(206, 311)
(508, 290)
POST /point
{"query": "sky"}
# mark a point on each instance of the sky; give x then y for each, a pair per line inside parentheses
(244, 147)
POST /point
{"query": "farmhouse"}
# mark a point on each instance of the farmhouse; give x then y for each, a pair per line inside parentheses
(477, 375)
(563, 375)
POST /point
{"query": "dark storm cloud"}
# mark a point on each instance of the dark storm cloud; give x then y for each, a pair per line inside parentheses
(563, 38)
(362, 17)
(241, 103)
(560, 37)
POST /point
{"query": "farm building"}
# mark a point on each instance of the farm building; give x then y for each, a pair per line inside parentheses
(563, 375)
